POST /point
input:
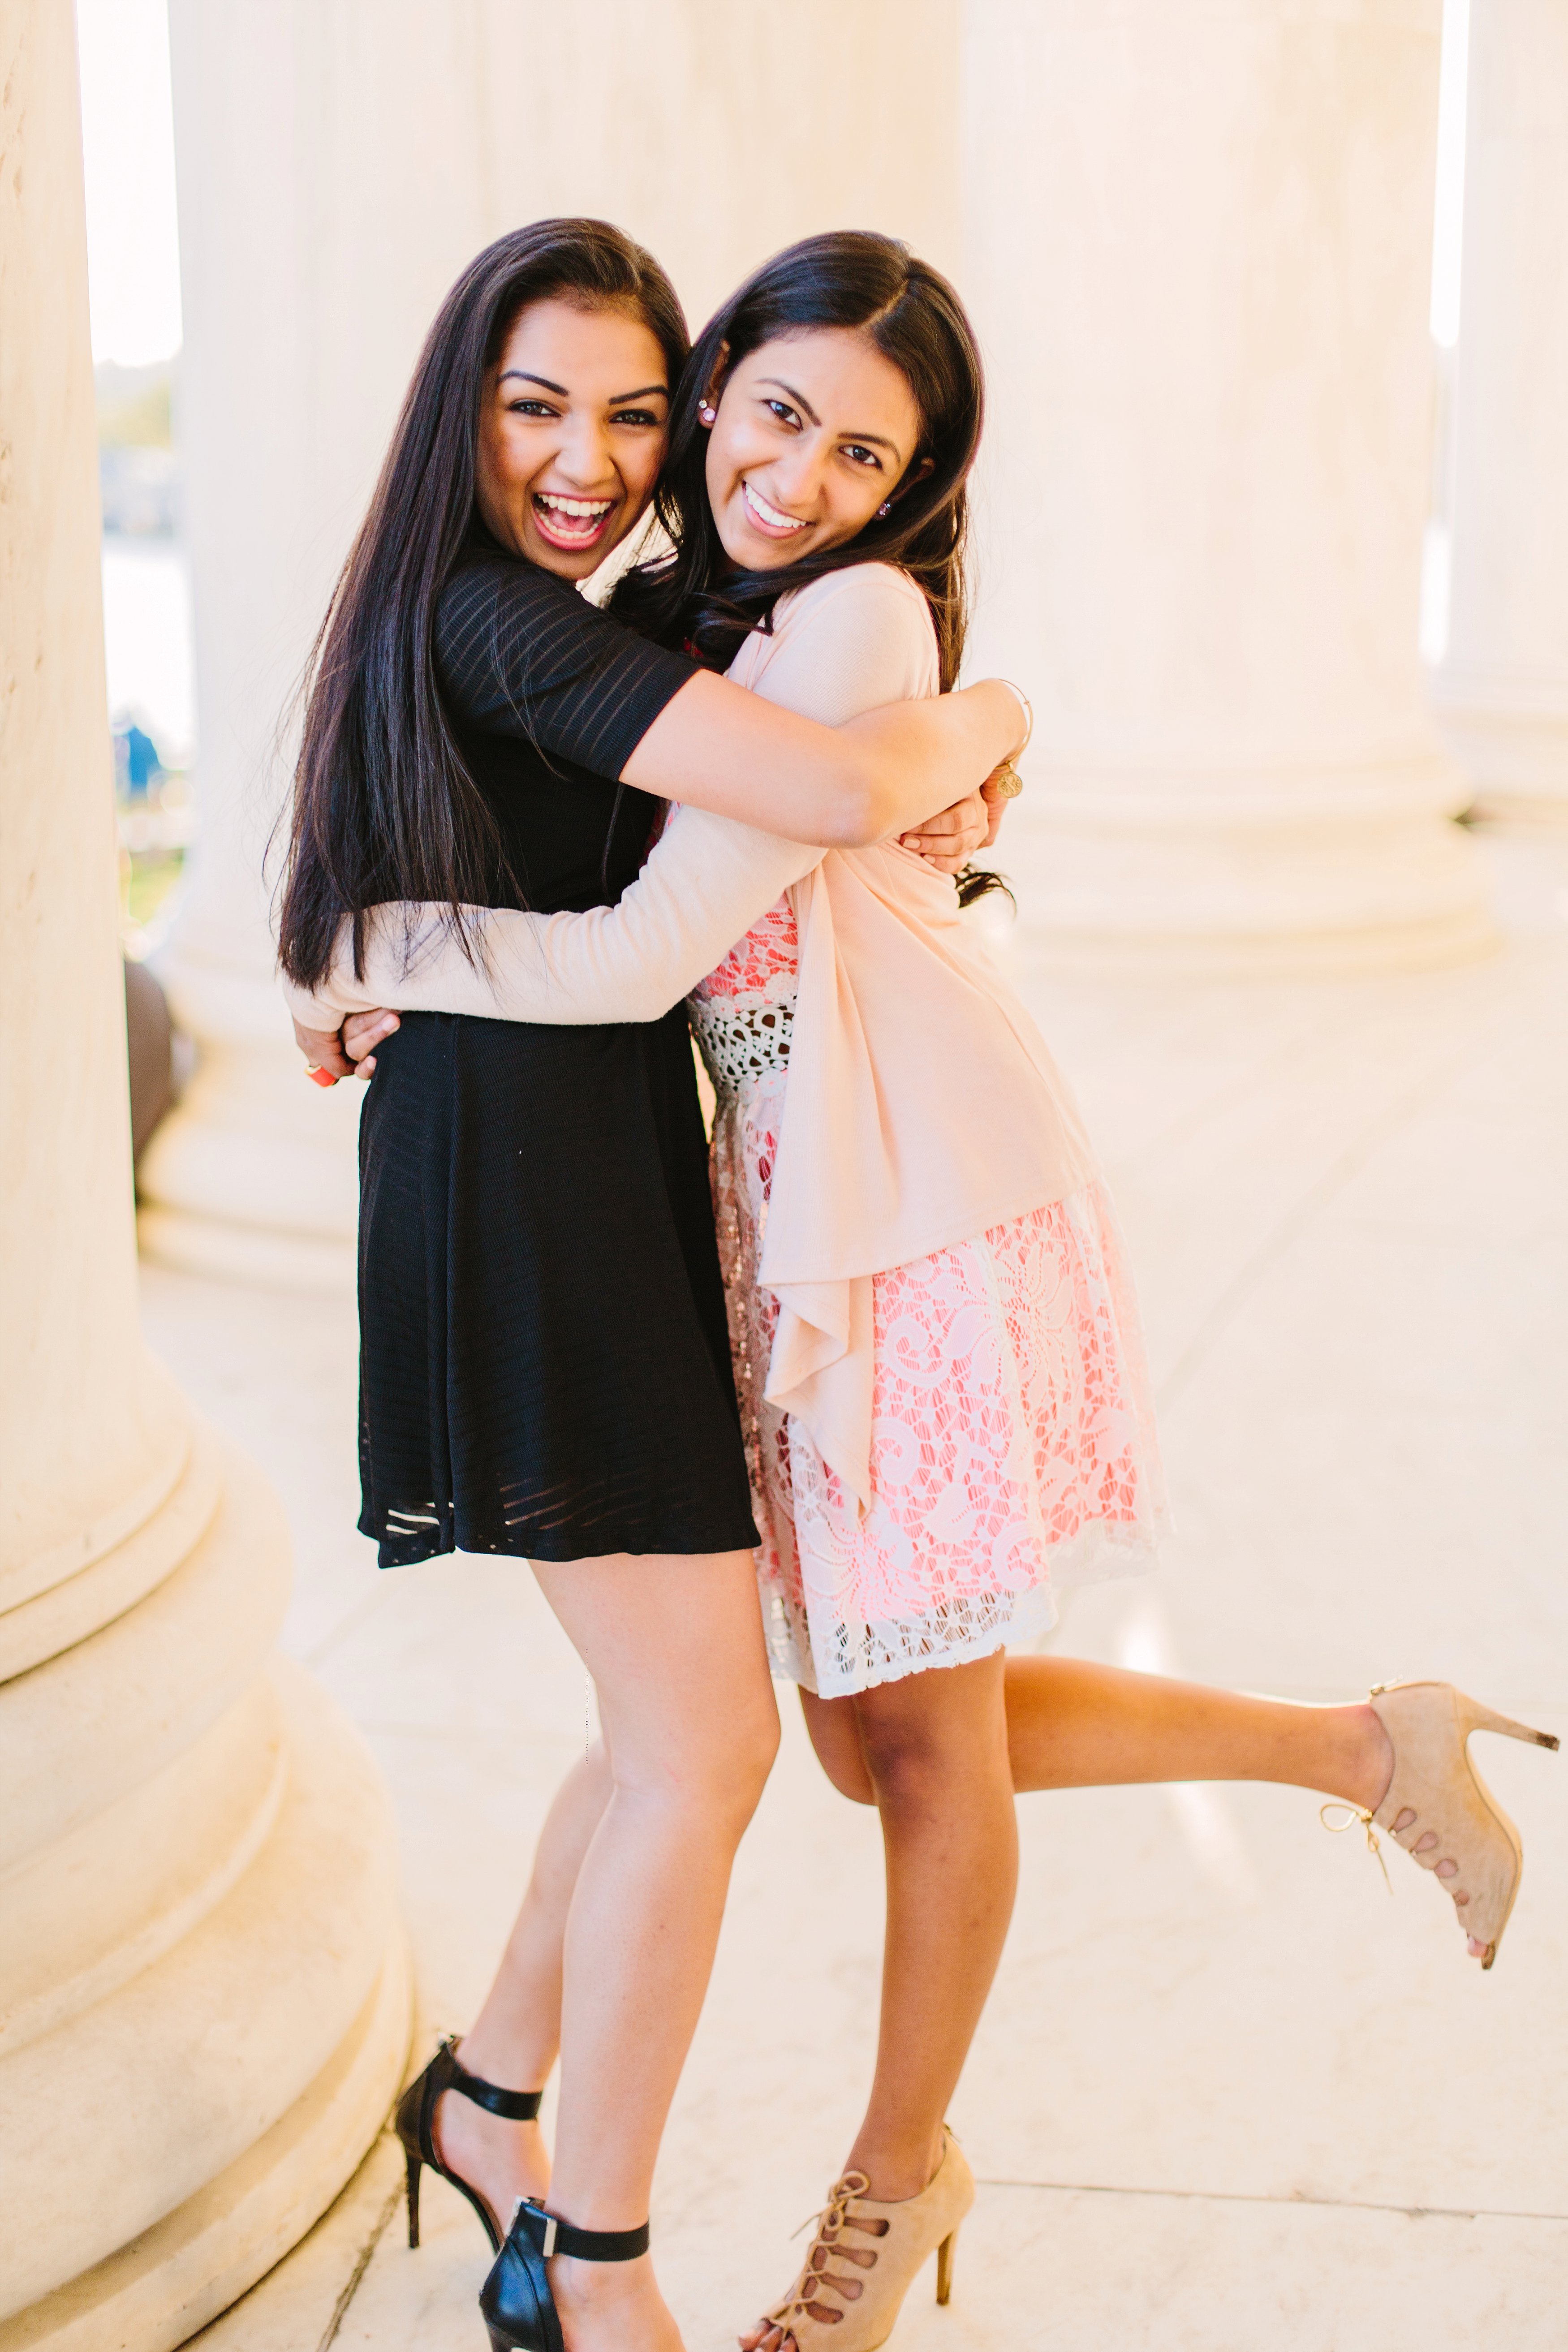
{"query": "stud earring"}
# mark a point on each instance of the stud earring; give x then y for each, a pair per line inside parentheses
(705, 413)
(885, 508)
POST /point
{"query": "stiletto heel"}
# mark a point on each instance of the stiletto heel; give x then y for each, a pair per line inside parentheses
(895, 2238)
(1485, 1718)
(945, 2255)
(515, 2300)
(415, 2128)
(415, 2165)
(1438, 1807)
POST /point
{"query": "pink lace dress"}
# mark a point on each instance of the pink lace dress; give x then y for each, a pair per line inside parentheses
(1013, 1445)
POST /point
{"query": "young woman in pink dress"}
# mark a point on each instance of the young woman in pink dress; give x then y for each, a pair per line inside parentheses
(935, 1343)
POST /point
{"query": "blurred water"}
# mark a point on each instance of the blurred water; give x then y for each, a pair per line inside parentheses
(147, 642)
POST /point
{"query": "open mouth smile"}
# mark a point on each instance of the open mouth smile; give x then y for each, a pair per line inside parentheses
(574, 524)
(766, 519)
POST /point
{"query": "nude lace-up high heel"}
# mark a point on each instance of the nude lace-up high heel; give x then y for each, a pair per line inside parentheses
(862, 2272)
(1438, 1807)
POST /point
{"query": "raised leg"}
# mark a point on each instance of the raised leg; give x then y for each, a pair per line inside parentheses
(1074, 1724)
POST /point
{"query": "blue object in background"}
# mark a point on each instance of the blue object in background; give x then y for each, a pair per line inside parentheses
(136, 762)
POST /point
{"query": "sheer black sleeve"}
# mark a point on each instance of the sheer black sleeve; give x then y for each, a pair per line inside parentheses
(519, 653)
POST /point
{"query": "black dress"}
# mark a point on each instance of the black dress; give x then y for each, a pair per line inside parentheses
(544, 1366)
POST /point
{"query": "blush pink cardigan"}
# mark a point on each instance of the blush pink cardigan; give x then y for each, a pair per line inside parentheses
(922, 1106)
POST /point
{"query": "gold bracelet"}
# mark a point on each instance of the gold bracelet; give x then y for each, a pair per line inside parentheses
(1028, 713)
(1006, 782)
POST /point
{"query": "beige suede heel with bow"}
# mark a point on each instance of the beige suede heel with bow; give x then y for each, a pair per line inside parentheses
(865, 2255)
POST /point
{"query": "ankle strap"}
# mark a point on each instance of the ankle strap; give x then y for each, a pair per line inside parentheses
(517, 2106)
(550, 2235)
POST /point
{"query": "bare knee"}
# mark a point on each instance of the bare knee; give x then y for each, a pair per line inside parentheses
(836, 1737)
(933, 1735)
(902, 1766)
(713, 1771)
(749, 1759)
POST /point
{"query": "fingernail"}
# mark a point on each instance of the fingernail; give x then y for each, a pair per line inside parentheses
(321, 1078)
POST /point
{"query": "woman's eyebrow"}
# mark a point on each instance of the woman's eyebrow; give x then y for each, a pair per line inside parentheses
(800, 401)
(799, 398)
(617, 400)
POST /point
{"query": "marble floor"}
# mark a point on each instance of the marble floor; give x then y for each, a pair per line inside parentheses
(1228, 2094)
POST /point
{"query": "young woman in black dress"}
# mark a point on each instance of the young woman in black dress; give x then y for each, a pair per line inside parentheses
(544, 1356)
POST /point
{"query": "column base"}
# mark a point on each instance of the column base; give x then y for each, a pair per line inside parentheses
(261, 2050)
(254, 1175)
(159, 2291)
(1514, 747)
(1300, 876)
(272, 1260)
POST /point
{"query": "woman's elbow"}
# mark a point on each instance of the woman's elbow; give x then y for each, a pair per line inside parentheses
(862, 806)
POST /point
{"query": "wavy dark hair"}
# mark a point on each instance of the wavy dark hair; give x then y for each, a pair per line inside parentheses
(384, 806)
(875, 285)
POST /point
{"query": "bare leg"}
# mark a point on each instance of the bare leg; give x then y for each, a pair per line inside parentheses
(935, 1747)
(515, 2039)
(674, 1648)
(1074, 1724)
(1071, 1724)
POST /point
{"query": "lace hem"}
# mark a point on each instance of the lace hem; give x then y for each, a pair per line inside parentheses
(844, 1660)
(859, 1657)
(1013, 1452)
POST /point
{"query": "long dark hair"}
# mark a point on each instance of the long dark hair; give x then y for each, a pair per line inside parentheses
(384, 806)
(873, 284)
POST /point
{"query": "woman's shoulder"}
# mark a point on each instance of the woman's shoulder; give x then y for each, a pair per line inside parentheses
(861, 591)
(498, 613)
(845, 643)
(487, 578)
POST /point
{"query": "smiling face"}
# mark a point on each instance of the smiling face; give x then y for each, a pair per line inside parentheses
(572, 435)
(814, 432)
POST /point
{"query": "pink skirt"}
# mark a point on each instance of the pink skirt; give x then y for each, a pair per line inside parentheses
(1013, 1436)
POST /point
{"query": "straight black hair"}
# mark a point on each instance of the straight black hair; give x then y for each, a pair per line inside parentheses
(873, 285)
(384, 806)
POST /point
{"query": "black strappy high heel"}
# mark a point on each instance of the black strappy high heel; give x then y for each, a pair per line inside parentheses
(515, 2300)
(415, 2120)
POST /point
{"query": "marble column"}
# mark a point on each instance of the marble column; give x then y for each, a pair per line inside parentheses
(1197, 245)
(204, 1997)
(336, 170)
(1501, 688)
(314, 248)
